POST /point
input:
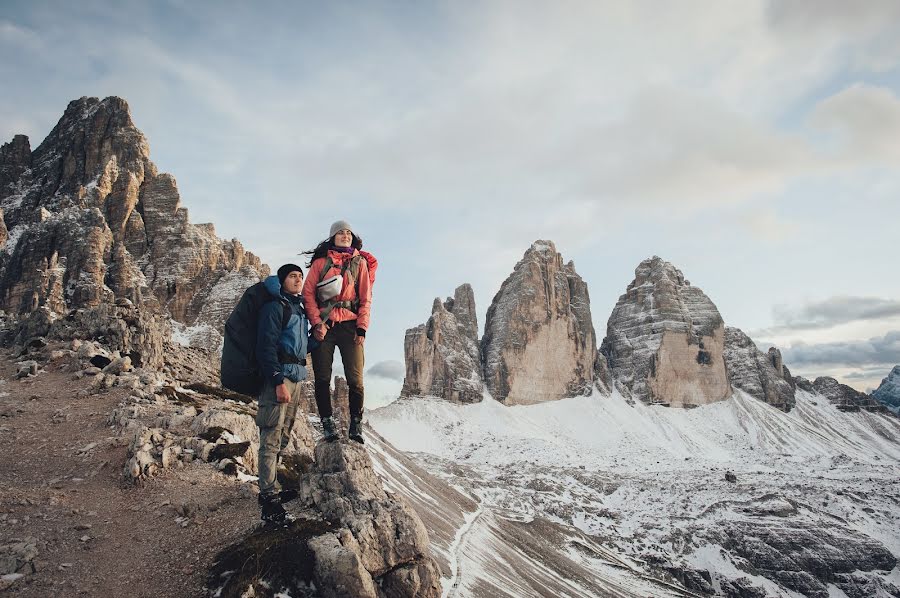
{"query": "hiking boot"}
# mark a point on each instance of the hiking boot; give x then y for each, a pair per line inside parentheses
(287, 495)
(271, 508)
(355, 432)
(329, 431)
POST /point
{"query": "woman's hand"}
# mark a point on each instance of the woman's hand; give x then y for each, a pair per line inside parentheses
(320, 331)
(360, 340)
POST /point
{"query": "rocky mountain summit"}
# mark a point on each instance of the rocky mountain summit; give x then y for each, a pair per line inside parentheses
(88, 220)
(539, 342)
(845, 398)
(443, 356)
(665, 340)
(888, 392)
(761, 375)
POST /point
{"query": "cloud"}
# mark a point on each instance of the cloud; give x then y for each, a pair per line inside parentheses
(828, 313)
(391, 370)
(860, 354)
(864, 121)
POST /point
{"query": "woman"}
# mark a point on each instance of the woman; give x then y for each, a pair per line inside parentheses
(337, 295)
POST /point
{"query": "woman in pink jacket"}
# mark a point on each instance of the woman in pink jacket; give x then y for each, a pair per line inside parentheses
(337, 295)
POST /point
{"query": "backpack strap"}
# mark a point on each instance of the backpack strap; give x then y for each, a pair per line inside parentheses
(351, 266)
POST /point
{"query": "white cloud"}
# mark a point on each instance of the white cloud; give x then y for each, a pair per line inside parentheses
(866, 122)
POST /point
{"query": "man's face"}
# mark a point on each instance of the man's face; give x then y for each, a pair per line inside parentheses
(293, 283)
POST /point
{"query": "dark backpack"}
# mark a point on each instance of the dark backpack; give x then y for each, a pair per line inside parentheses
(239, 370)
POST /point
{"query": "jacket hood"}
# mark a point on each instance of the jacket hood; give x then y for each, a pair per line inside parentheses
(273, 285)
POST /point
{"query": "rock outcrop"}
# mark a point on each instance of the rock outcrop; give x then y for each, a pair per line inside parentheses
(665, 340)
(539, 342)
(89, 220)
(761, 375)
(350, 538)
(845, 397)
(888, 392)
(443, 356)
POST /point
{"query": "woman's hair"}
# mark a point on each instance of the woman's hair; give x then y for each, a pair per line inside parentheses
(322, 248)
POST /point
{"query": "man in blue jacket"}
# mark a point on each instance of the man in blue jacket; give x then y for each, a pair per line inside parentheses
(281, 353)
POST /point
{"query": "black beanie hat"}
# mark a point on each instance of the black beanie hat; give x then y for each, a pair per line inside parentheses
(287, 269)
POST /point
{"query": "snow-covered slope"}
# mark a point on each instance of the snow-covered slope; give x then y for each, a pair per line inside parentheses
(735, 498)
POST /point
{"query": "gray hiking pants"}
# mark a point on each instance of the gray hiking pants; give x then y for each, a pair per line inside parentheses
(275, 421)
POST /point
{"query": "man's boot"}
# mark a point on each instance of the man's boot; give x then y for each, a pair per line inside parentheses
(355, 431)
(271, 508)
(329, 431)
(287, 495)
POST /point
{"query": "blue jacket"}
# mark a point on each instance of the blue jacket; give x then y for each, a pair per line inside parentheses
(274, 343)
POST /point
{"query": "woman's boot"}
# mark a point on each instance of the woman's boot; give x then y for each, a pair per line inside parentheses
(329, 431)
(355, 431)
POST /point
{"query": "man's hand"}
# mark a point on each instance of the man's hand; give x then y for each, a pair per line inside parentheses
(281, 394)
(360, 340)
(320, 331)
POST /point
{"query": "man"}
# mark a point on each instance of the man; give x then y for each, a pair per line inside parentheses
(281, 345)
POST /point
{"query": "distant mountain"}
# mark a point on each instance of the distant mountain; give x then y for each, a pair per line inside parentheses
(539, 342)
(888, 392)
(665, 340)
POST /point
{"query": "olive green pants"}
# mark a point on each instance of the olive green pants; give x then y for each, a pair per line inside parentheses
(275, 421)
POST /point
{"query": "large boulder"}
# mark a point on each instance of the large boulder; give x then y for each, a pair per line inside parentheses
(89, 220)
(665, 340)
(888, 392)
(539, 342)
(378, 533)
(443, 356)
(761, 375)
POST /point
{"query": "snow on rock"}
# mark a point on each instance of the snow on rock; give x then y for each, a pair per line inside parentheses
(758, 374)
(652, 501)
(665, 340)
(539, 342)
(888, 392)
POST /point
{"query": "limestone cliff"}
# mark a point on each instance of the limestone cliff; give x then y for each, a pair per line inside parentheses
(665, 340)
(442, 356)
(539, 342)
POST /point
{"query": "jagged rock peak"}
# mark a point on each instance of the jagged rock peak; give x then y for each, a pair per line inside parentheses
(888, 392)
(442, 355)
(90, 220)
(846, 398)
(761, 375)
(665, 340)
(15, 158)
(539, 342)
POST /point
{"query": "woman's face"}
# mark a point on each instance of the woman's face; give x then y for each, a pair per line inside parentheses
(343, 238)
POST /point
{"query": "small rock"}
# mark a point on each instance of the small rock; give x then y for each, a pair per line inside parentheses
(730, 477)
(26, 368)
(84, 538)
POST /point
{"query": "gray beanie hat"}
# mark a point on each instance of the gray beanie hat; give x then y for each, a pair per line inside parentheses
(339, 226)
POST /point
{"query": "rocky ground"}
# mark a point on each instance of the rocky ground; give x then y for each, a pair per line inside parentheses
(71, 523)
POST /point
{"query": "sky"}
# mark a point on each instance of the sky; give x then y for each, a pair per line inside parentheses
(754, 145)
